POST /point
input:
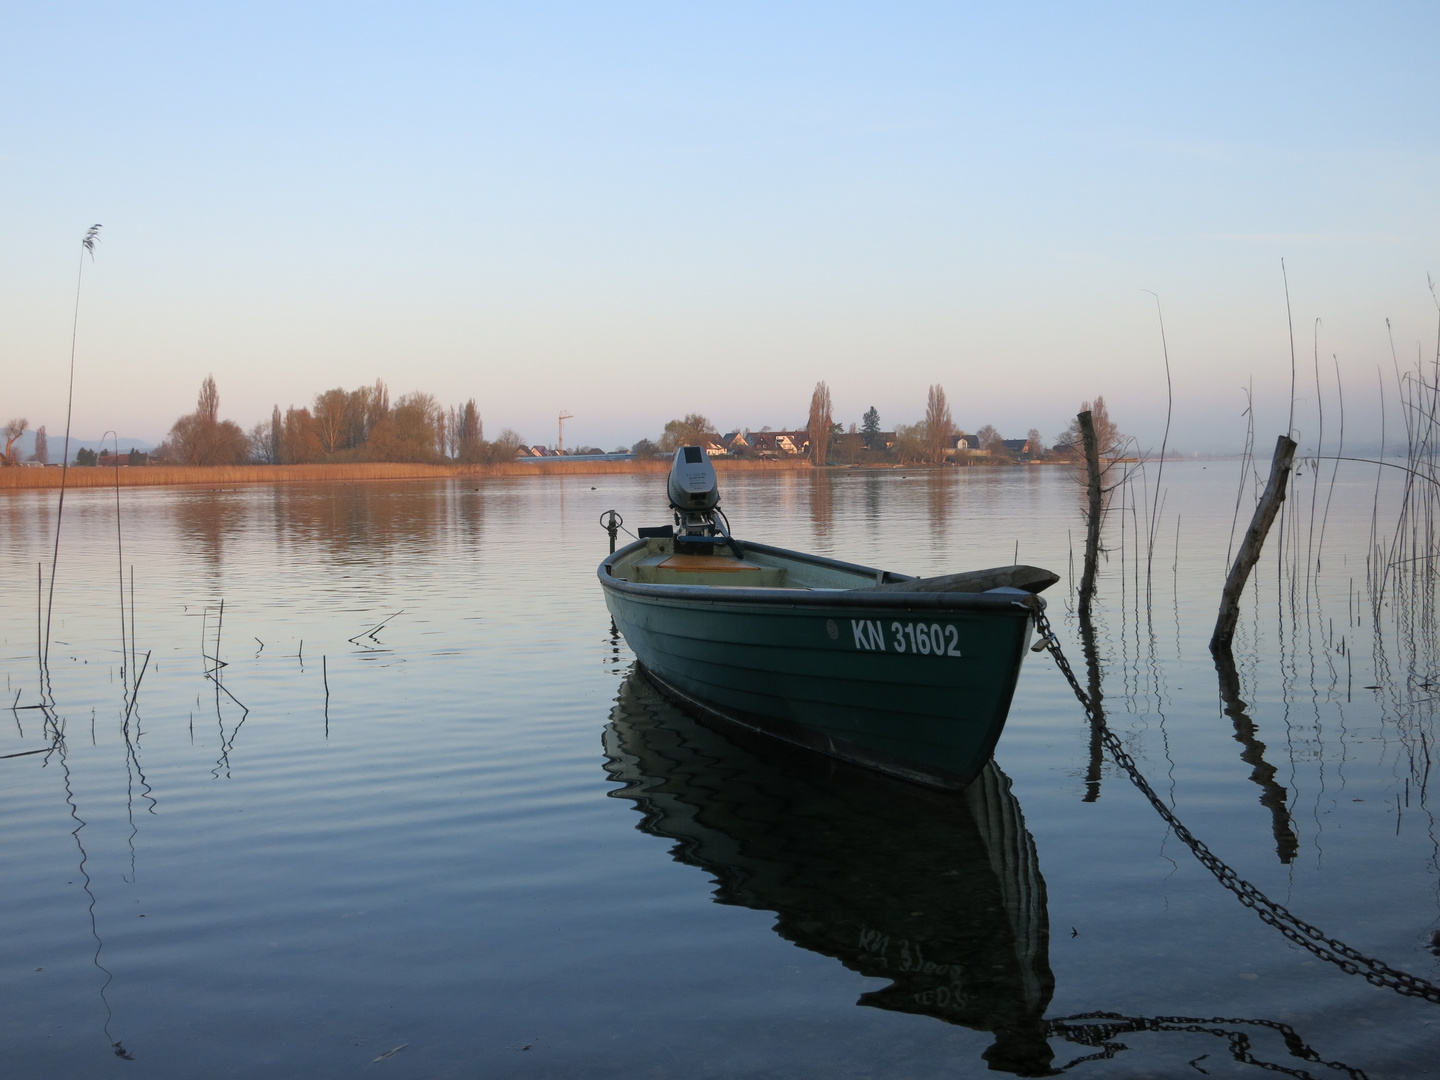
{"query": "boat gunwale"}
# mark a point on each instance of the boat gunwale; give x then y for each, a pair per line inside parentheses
(993, 602)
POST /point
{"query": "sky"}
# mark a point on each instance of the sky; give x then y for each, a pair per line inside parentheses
(635, 210)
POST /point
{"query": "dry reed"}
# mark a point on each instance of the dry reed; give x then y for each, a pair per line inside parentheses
(211, 476)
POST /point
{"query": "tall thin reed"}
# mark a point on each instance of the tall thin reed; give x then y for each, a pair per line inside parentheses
(1246, 463)
(87, 245)
(120, 567)
(1164, 443)
(1335, 467)
(1290, 322)
(1319, 449)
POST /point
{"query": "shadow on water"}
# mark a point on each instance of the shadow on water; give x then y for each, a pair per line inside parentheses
(940, 893)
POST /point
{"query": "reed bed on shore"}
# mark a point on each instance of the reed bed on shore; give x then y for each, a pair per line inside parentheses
(187, 475)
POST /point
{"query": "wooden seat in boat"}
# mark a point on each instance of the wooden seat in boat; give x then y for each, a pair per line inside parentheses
(706, 570)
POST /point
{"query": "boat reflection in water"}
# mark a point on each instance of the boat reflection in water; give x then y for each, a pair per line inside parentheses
(939, 892)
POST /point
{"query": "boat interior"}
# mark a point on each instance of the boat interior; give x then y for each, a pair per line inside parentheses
(717, 562)
(658, 563)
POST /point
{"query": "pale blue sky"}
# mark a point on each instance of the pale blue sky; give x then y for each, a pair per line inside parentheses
(635, 210)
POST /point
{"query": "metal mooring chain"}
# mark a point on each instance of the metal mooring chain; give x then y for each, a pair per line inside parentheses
(1102, 1035)
(1292, 926)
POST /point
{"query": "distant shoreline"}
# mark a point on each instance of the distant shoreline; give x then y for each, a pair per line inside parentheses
(93, 476)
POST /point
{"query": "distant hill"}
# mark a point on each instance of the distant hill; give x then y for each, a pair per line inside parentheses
(57, 444)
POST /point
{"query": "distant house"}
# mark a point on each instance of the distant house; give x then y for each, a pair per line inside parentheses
(1017, 447)
(966, 445)
(713, 446)
(125, 460)
(773, 444)
(764, 445)
(734, 443)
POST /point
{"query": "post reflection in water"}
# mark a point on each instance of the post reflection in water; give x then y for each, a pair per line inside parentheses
(822, 504)
(939, 893)
(939, 490)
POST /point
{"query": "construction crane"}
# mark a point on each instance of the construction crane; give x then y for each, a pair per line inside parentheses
(560, 432)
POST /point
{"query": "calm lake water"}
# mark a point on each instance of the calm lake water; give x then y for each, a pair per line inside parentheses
(423, 809)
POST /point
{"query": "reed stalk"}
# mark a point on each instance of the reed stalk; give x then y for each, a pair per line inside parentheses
(87, 245)
(1164, 444)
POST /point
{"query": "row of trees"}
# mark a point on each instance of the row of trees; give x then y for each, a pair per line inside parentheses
(931, 439)
(364, 425)
(340, 425)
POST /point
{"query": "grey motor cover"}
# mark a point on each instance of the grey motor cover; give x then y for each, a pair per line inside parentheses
(693, 485)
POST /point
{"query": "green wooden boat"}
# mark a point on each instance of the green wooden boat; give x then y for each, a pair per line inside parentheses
(910, 677)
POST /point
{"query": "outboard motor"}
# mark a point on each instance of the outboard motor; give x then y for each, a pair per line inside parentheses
(695, 497)
(693, 485)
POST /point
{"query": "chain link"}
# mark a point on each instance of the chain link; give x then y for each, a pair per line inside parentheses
(1296, 929)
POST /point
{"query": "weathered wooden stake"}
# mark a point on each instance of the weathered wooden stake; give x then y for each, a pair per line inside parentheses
(1092, 522)
(1249, 553)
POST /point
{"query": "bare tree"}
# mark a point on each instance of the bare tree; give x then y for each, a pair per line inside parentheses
(42, 447)
(451, 442)
(910, 443)
(939, 427)
(414, 431)
(202, 438)
(260, 444)
(1037, 444)
(820, 423)
(299, 444)
(357, 417)
(469, 434)
(506, 446)
(13, 430)
(331, 412)
(1107, 433)
(690, 431)
(377, 406)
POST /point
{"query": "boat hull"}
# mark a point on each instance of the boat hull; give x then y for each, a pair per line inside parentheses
(917, 685)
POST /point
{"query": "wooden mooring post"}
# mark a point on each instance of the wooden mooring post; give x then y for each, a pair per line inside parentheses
(1095, 504)
(1249, 553)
